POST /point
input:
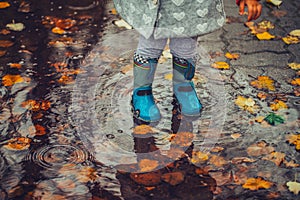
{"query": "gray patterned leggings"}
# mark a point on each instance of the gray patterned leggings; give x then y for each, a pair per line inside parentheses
(179, 47)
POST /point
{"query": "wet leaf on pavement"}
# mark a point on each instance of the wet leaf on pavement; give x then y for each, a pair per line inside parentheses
(199, 157)
(15, 26)
(295, 66)
(275, 157)
(295, 33)
(173, 178)
(274, 2)
(232, 56)
(260, 148)
(265, 36)
(293, 187)
(147, 179)
(143, 129)
(296, 81)
(220, 65)
(20, 143)
(4, 4)
(2, 53)
(274, 119)
(247, 104)
(291, 39)
(278, 105)
(9, 80)
(217, 161)
(263, 82)
(294, 139)
(257, 183)
(15, 65)
(183, 139)
(147, 165)
(58, 30)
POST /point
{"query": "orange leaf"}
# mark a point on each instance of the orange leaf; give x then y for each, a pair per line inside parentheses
(4, 5)
(147, 165)
(296, 81)
(173, 178)
(220, 65)
(147, 179)
(20, 143)
(263, 82)
(257, 183)
(58, 30)
(246, 104)
(64, 79)
(6, 43)
(2, 53)
(232, 56)
(199, 157)
(9, 80)
(294, 139)
(218, 161)
(275, 157)
(260, 148)
(39, 130)
(113, 11)
(65, 23)
(183, 139)
(15, 65)
(143, 129)
(290, 163)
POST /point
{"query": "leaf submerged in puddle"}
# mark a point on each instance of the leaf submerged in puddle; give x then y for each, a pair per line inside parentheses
(20, 143)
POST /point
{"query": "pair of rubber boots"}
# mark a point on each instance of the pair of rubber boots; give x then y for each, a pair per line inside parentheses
(143, 104)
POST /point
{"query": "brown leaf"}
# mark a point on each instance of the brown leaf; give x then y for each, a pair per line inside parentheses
(218, 161)
(294, 139)
(275, 157)
(9, 80)
(2, 53)
(39, 130)
(6, 43)
(238, 160)
(173, 178)
(146, 165)
(257, 183)
(143, 129)
(291, 164)
(279, 13)
(20, 143)
(183, 139)
(220, 65)
(147, 179)
(260, 148)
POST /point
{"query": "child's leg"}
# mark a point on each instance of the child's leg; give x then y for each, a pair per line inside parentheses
(184, 63)
(145, 62)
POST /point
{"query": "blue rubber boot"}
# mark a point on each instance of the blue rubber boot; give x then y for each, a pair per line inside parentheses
(183, 87)
(143, 104)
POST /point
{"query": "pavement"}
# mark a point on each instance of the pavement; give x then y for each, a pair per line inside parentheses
(247, 142)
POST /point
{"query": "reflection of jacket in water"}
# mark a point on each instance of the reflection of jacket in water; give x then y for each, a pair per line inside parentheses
(172, 18)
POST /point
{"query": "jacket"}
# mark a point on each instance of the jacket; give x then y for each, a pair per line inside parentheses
(172, 18)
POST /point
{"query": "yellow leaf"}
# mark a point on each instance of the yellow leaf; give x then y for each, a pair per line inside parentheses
(218, 161)
(293, 187)
(169, 77)
(4, 5)
(295, 66)
(143, 129)
(199, 157)
(295, 33)
(291, 39)
(246, 104)
(274, 2)
(263, 82)
(294, 139)
(277, 105)
(232, 56)
(265, 36)
(256, 184)
(266, 25)
(147, 165)
(15, 26)
(20, 143)
(220, 65)
(58, 30)
(113, 11)
(9, 80)
(295, 81)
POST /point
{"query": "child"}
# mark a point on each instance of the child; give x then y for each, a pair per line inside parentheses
(181, 21)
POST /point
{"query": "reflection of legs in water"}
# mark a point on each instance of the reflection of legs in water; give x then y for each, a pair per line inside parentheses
(160, 175)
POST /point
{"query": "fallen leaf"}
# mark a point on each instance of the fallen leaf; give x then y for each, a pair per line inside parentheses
(218, 161)
(36, 105)
(15, 26)
(259, 119)
(232, 56)
(295, 66)
(9, 80)
(39, 130)
(274, 119)
(256, 184)
(64, 79)
(65, 23)
(217, 149)
(220, 65)
(58, 30)
(147, 179)
(291, 39)
(15, 65)
(2, 53)
(278, 105)
(6, 43)
(199, 157)
(122, 24)
(4, 4)
(20, 143)
(294, 139)
(260, 148)
(239, 160)
(295, 33)
(143, 129)
(265, 36)
(236, 135)
(113, 11)
(173, 178)
(247, 104)
(126, 68)
(147, 165)
(296, 81)
(169, 76)
(275, 157)
(263, 82)
(279, 13)
(291, 164)
(183, 139)
(266, 25)
(293, 187)
(274, 2)
(297, 92)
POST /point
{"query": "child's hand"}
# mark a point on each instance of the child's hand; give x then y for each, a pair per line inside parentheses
(254, 8)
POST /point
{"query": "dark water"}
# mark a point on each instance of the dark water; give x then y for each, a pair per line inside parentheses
(42, 154)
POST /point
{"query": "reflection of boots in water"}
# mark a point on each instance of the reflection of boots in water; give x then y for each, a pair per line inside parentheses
(143, 105)
(183, 87)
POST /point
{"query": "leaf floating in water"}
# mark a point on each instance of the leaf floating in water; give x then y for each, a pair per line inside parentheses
(293, 187)
(4, 5)
(20, 143)
(9, 80)
(232, 56)
(15, 26)
(274, 119)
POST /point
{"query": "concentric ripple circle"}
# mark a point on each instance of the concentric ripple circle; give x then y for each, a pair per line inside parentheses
(55, 156)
